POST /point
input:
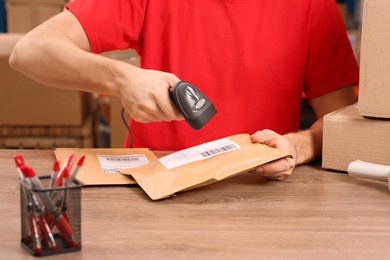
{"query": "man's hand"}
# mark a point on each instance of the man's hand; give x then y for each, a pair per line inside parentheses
(145, 96)
(279, 169)
(304, 145)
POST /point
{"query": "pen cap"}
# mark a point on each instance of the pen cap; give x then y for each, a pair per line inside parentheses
(66, 174)
(81, 161)
(56, 166)
(19, 161)
(70, 162)
(368, 170)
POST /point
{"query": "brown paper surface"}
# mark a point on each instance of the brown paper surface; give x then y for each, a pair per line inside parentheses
(159, 182)
(91, 172)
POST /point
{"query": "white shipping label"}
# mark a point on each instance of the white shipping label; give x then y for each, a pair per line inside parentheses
(114, 163)
(199, 152)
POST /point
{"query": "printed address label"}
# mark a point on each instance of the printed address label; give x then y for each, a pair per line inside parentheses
(114, 163)
(199, 152)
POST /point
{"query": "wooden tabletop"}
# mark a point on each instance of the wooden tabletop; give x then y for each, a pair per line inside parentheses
(314, 214)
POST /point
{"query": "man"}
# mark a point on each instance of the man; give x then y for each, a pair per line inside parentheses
(253, 59)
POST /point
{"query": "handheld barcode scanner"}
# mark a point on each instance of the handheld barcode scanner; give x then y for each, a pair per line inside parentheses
(196, 108)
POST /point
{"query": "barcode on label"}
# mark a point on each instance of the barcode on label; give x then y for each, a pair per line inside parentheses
(218, 150)
(199, 152)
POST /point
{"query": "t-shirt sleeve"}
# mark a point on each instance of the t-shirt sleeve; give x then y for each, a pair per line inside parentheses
(331, 62)
(110, 24)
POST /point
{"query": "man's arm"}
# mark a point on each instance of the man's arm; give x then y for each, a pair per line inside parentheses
(57, 54)
(305, 145)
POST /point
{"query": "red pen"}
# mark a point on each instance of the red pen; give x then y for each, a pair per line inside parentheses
(36, 240)
(58, 181)
(61, 198)
(76, 170)
(59, 194)
(34, 237)
(54, 172)
(68, 180)
(61, 223)
(43, 218)
(26, 186)
(67, 165)
(46, 231)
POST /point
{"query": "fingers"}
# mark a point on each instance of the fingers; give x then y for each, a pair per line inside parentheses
(155, 109)
(267, 137)
(164, 103)
(276, 170)
(172, 80)
(279, 169)
(150, 100)
(171, 111)
(146, 112)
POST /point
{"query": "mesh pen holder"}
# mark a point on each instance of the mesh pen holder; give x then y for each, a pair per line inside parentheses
(51, 218)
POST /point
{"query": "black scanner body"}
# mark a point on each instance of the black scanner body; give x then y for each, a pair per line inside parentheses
(196, 108)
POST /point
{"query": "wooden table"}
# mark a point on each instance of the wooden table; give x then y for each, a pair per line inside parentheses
(314, 214)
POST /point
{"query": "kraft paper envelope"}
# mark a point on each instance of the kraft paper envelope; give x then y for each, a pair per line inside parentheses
(92, 172)
(201, 165)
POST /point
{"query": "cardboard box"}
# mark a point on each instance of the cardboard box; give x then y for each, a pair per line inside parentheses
(374, 87)
(24, 101)
(48, 137)
(349, 136)
(24, 15)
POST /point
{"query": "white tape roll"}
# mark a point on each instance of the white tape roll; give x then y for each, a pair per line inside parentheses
(368, 170)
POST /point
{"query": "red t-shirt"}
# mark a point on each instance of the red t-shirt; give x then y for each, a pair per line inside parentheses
(253, 59)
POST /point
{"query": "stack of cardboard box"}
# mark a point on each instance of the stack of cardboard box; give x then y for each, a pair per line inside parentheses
(36, 116)
(32, 115)
(362, 131)
(24, 15)
(47, 106)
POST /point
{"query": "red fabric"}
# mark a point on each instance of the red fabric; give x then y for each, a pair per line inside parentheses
(253, 59)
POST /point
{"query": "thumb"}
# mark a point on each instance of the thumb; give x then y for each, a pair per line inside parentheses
(267, 137)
